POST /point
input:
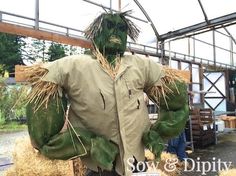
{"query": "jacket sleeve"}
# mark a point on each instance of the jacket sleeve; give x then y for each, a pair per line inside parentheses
(170, 93)
(58, 72)
(153, 74)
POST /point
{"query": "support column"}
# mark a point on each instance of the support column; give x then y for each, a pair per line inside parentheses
(36, 25)
(214, 47)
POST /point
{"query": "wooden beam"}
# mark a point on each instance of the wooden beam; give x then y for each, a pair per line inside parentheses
(43, 35)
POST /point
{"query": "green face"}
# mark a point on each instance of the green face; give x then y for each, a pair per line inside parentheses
(112, 38)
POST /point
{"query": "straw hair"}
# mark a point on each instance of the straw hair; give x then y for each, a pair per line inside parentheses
(111, 70)
(96, 26)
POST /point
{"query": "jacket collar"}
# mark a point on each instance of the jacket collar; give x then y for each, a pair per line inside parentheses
(123, 67)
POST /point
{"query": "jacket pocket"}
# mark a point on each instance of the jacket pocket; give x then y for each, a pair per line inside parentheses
(103, 99)
(138, 103)
(133, 86)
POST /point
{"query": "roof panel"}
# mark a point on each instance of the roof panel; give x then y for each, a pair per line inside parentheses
(218, 8)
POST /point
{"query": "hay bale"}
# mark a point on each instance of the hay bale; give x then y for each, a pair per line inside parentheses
(230, 172)
(170, 158)
(79, 168)
(29, 162)
(163, 166)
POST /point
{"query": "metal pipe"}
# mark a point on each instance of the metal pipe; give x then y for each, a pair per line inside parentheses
(119, 5)
(203, 11)
(200, 26)
(169, 53)
(20, 16)
(231, 52)
(194, 48)
(7, 164)
(111, 5)
(233, 39)
(189, 46)
(202, 31)
(36, 23)
(213, 45)
(214, 48)
(149, 19)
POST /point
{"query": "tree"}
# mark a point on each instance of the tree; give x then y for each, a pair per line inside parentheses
(12, 101)
(73, 50)
(10, 51)
(37, 49)
(56, 51)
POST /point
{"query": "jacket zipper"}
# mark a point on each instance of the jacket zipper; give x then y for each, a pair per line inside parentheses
(118, 123)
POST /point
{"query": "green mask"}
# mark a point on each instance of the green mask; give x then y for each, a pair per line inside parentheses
(112, 38)
(109, 33)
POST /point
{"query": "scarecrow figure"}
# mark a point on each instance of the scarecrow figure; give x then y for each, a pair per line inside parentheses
(107, 122)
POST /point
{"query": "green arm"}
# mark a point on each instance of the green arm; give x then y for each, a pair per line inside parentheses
(45, 122)
(44, 127)
(174, 112)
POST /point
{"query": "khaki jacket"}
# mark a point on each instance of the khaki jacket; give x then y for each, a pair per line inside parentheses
(113, 108)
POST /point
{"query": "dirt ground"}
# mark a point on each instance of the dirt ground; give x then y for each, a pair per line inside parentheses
(7, 142)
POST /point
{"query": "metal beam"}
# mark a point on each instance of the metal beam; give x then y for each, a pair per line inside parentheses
(200, 26)
(233, 39)
(149, 19)
(203, 11)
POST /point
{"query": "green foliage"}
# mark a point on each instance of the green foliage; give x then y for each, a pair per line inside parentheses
(73, 50)
(12, 126)
(10, 51)
(38, 49)
(43, 50)
(2, 120)
(12, 101)
(14, 49)
(56, 51)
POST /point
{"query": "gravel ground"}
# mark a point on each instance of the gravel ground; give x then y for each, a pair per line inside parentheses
(224, 151)
(7, 141)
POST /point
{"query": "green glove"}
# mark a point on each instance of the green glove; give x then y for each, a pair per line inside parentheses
(103, 152)
(67, 145)
(171, 123)
(153, 141)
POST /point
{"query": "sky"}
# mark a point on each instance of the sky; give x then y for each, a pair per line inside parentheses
(167, 15)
